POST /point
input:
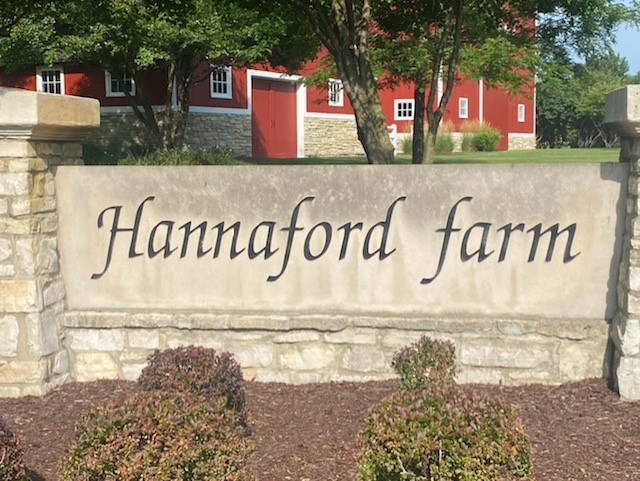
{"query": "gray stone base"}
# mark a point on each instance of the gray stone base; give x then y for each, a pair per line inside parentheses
(206, 130)
(320, 348)
(522, 142)
(331, 137)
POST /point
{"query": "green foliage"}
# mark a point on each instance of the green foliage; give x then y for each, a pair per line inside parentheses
(479, 136)
(424, 363)
(407, 145)
(159, 436)
(444, 143)
(442, 433)
(12, 467)
(486, 138)
(196, 371)
(570, 99)
(184, 156)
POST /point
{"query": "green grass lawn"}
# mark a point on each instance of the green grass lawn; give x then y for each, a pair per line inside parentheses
(504, 157)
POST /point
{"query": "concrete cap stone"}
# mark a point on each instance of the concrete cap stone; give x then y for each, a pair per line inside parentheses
(622, 110)
(32, 115)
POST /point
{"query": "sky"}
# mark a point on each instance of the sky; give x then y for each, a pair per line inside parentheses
(627, 45)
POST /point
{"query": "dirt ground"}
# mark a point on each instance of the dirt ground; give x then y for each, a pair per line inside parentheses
(578, 431)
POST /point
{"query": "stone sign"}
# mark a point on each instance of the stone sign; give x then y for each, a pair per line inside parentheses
(516, 240)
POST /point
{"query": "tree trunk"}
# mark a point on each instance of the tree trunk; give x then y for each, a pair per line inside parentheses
(418, 153)
(430, 151)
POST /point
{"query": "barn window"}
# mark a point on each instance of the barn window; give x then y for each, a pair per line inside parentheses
(220, 79)
(403, 109)
(116, 86)
(463, 108)
(336, 97)
(521, 112)
(50, 80)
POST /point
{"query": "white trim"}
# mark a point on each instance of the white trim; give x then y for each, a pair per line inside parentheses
(324, 115)
(111, 93)
(396, 104)
(463, 108)
(301, 110)
(522, 113)
(228, 83)
(481, 100)
(219, 110)
(273, 75)
(339, 102)
(39, 83)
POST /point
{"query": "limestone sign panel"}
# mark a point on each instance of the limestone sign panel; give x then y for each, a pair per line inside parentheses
(526, 240)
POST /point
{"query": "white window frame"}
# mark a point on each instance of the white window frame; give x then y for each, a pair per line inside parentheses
(463, 108)
(228, 82)
(403, 109)
(40, 82)
(112, 93)
(522, 112)
(336, 93)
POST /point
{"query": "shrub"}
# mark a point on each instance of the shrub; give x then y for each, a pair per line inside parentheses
(444, 143)
(479, 136)
(196, 370)
(442, 433)
(426, 362)
(158, 436)
(186, 156)
(486, 138)
(407, 145)
(12, 467)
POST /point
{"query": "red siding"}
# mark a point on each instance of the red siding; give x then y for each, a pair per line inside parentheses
(318, 101)
(201, 92)
(464, 89)
(497, 113)
(21, 79)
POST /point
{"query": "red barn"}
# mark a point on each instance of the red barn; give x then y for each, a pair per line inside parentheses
(262, 113)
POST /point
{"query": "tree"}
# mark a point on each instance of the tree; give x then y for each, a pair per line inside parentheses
(177, 36)
(571, 100)
(433, 43)
(344, 27)
(423, 41)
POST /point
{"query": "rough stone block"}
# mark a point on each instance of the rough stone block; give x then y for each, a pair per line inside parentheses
(9, 332)
(17, 148)
(143, 339)
(352, 336)
(96, 340)
(258, 355)
(61, 363)
(53, 292)
(19, 296)
(43, 335)
(70, 149)
(6, 249)
(131, 372)
(301, 358)
(15, 184)
(296, 337)
(628, 375)
(25, 256)
(484, 353)
(630, 338)
(178, 338)
(9, 391)
(634, 278)
(21, 372)
(91, 366)
(364, 359)
(581, 360)
(7, 270)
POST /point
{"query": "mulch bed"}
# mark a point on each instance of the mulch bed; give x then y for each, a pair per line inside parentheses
(578, 431)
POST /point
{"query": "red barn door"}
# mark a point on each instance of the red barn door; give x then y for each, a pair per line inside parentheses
(273, 119)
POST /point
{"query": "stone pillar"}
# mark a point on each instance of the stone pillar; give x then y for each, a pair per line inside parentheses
(622, 112)
(38, 132)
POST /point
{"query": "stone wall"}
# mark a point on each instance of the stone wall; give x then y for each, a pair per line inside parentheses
(331, 137)
(204, 130)
(320, 348)
(522, 141)
(232, 131)
(32, 294)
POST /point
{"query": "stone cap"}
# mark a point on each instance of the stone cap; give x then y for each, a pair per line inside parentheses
(622, 110)
(26, 114)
